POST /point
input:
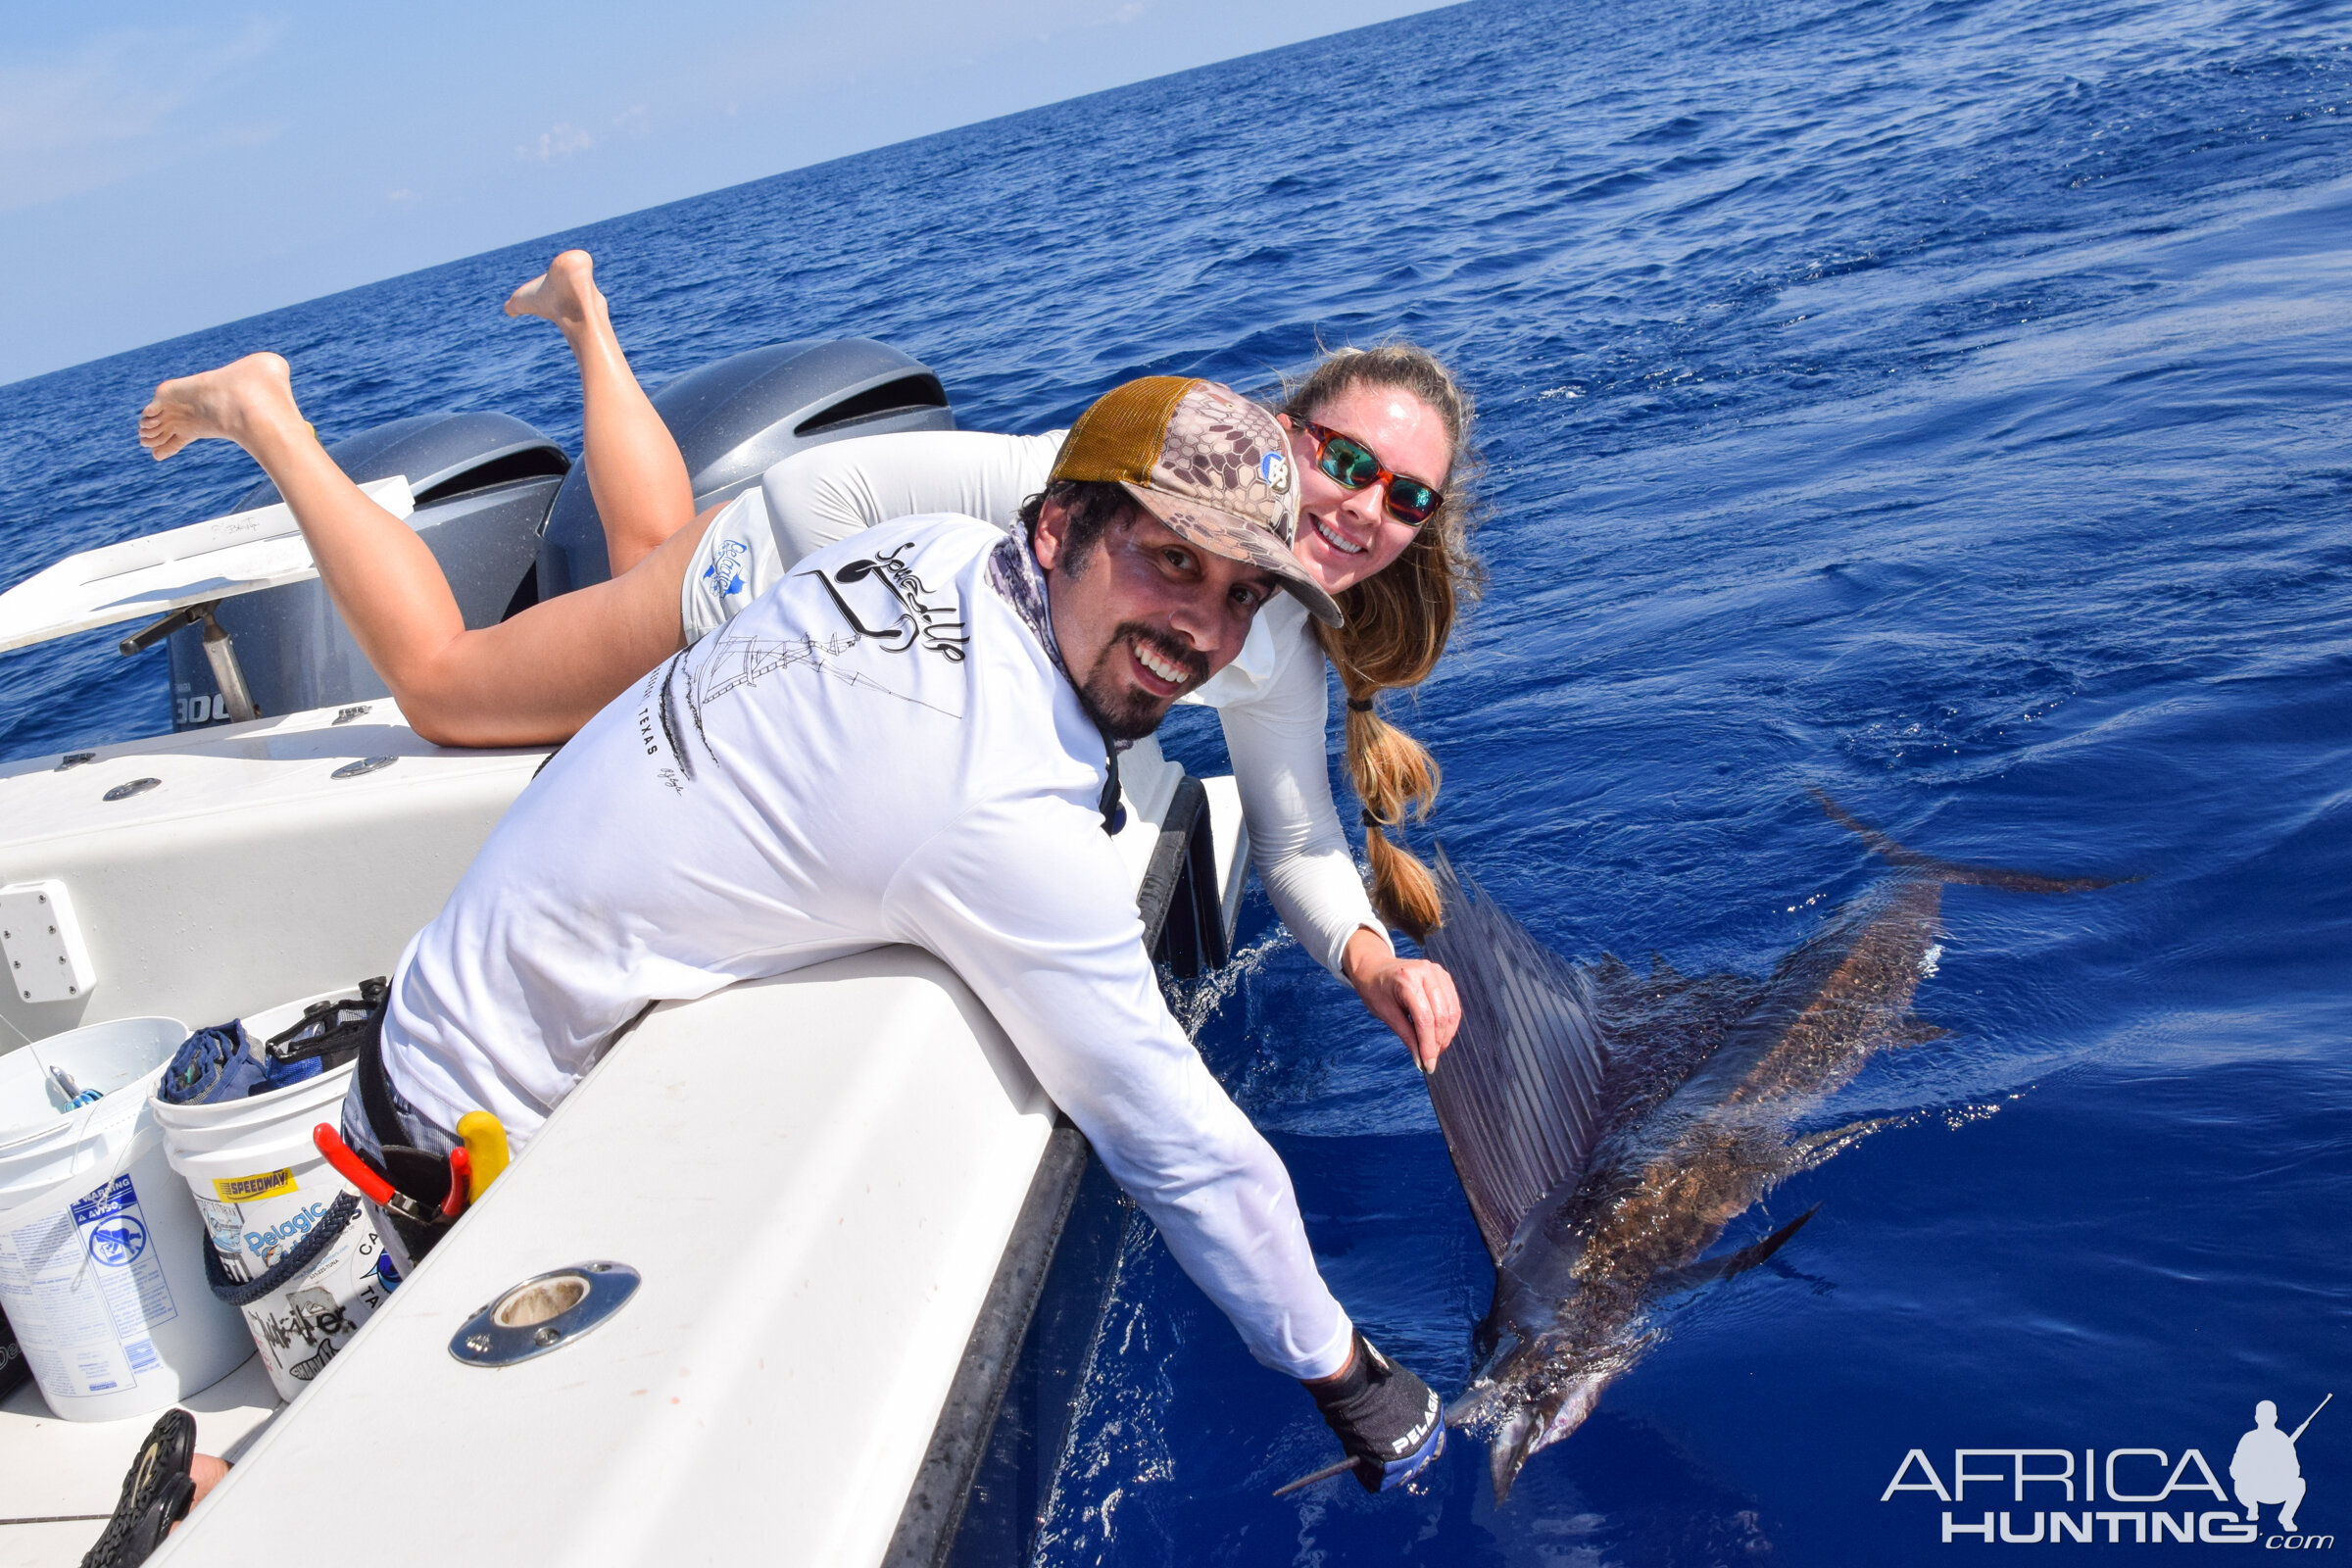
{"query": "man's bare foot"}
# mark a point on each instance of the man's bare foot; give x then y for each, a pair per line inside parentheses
(565, 294)
(235, 403)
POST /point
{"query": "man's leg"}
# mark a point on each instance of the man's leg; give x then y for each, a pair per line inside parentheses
(166, 1481)
(634, 469)
(2294, 1500)
(208, 1472)
(535, 678)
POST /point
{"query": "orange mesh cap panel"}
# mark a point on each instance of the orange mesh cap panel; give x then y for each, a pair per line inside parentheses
(1118, 438)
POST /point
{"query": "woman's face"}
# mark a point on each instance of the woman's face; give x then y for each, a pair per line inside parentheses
(1347, 535)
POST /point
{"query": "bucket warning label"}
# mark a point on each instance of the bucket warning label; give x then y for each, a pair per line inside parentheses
(251, 1189)
(84, 1288)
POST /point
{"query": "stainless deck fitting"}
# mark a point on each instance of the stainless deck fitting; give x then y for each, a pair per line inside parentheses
(544, 1313)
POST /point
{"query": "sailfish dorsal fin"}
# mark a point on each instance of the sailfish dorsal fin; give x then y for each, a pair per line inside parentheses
(1518, 1094)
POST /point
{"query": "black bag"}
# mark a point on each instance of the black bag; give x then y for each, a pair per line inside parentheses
(332, 1031)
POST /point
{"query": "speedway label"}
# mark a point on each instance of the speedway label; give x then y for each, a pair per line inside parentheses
(249, 1189)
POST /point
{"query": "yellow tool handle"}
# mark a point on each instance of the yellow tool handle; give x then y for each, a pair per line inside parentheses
(486, 1147)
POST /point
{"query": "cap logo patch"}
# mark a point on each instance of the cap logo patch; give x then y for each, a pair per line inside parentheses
(1275, 470)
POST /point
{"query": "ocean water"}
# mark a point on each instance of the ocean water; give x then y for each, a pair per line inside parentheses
(1940, 403)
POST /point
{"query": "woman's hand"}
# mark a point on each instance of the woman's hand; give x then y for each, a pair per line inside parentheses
(1411, 996)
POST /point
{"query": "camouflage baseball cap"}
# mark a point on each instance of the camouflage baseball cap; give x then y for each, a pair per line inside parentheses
(1207, 461)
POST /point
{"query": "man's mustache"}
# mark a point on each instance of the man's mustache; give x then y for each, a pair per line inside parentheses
(1192, 661)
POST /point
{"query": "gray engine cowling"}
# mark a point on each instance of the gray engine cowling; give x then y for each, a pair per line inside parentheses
(736, 417)
(482, 482)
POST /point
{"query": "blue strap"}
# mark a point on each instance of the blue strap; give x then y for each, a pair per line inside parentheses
(289, 1268)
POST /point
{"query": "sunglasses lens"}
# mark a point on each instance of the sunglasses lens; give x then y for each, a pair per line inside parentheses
(1411, 501)
(1348, 463)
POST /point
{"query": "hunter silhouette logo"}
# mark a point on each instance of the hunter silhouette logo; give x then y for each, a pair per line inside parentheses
(2192, 1504)
(2265, 1467)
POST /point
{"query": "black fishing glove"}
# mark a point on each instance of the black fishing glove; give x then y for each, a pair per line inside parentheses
(1388, 1420)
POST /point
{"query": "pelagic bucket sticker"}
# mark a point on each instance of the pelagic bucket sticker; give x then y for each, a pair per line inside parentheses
(226, 1222)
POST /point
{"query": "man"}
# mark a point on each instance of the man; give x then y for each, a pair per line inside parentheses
(912, 738)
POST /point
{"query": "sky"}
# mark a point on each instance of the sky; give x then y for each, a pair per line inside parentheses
(166, 169)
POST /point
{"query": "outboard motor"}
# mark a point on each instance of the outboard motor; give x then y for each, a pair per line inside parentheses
(482, 483)
(735, 418)
(512, 521)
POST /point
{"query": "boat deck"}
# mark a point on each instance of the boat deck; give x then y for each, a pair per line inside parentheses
(815, 1175)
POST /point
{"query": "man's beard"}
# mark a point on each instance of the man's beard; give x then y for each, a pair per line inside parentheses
(1127, 712)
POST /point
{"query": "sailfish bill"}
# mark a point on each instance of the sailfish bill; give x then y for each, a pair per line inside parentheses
(1607, 1125)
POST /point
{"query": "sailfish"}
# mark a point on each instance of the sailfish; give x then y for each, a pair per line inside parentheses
(1607, 1125)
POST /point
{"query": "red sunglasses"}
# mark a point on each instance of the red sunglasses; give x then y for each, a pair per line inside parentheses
(1351, 464)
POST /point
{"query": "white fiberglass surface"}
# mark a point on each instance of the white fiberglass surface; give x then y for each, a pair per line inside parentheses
(59, 1479)
(250, 873)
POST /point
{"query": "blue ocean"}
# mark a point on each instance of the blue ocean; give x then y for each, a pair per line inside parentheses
(1940, 403)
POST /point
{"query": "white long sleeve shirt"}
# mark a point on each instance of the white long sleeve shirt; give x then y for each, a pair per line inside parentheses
(1272, 700)
(804, 785)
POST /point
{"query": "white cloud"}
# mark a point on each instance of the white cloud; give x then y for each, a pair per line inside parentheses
(404, 197)
(120, 105)
(560, 140)
(634, 120)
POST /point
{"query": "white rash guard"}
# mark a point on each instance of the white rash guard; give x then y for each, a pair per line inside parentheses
(1272, 700)
(802, 786)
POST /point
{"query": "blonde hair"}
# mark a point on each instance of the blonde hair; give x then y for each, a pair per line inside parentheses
(1398, 621)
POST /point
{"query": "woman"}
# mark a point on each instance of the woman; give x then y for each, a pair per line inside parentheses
(1382, 434)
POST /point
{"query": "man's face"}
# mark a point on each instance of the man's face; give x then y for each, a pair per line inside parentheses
(1143, 615)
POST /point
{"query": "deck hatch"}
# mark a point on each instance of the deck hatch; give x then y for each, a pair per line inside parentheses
(42, 944)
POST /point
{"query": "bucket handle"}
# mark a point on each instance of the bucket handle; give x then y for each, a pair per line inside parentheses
(145, 1135)
(287, 1269)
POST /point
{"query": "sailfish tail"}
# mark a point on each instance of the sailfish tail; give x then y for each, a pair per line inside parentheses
(1927, 866)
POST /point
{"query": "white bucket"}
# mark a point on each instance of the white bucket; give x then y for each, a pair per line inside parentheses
(262, 1185)
(101, 1251)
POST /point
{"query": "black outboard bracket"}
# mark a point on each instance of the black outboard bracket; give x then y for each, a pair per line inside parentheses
(482, 483)
(735, 418)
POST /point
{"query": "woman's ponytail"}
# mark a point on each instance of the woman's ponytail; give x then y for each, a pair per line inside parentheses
(1393, 774)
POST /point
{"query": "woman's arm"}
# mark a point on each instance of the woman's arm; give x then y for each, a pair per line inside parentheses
(817, 497)
(1275, 738)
